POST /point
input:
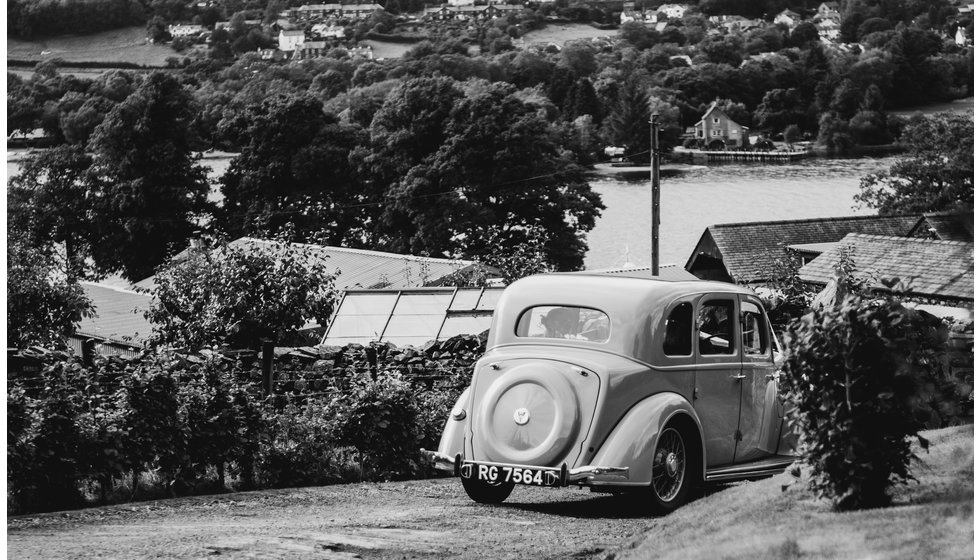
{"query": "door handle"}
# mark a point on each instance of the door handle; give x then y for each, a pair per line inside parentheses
(739, 377)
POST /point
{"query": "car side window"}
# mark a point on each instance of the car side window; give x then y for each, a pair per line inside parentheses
(716, 328)
(755, 336)
(677, 333)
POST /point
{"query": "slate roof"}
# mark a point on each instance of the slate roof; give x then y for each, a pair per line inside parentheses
(931, 268)
(119, 315)
(946, 226)
(748, 249)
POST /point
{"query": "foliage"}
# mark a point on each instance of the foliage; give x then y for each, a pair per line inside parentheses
(857, 375)
(147, 185)
(936, 175)
(47, 203)
(240, 294)
(293, 168)
(43, 306)
(192, 418)
(380, 419)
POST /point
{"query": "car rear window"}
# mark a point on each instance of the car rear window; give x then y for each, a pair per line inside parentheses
(564, 322)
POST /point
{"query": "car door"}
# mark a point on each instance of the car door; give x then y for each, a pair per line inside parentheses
(760, 414)
(718, 372)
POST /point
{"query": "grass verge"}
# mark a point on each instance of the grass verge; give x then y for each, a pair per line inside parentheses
(778, 518)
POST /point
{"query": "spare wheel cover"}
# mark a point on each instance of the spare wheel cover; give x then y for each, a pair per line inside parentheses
(530, 415)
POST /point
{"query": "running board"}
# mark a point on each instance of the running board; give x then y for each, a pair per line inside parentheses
(755, 469)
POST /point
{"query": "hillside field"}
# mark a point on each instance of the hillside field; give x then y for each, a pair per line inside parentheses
(561, 33)
(119, 45)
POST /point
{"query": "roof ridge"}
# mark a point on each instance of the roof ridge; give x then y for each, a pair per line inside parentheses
(369, 252)
(114, 288)
(907, 239)
(811, 220)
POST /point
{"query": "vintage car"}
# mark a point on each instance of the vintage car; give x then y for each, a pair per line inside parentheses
(618, 384)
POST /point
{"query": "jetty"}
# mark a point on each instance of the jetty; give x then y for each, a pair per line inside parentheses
(747, 155)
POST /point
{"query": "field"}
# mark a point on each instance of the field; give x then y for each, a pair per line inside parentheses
(964, 105)
(119, 45)
(383, 49)
(559, 34)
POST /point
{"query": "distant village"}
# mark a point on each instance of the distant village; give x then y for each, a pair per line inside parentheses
(311, 30)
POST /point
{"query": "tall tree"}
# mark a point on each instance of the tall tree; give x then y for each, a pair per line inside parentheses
(627, 124)
(500, 175)
(147, 183)
(294, 169)
(936, 175)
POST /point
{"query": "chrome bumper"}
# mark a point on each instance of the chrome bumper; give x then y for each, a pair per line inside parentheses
(579, 475)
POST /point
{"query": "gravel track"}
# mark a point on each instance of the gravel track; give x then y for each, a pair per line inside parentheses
(415, 519)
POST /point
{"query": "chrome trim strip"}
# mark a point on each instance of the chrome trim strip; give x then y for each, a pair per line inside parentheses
(756, 470)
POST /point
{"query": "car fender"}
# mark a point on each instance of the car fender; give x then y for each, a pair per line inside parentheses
(632, 441)
(453, 433)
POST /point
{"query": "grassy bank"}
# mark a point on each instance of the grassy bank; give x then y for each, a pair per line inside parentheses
(118, 45)
(759, 520)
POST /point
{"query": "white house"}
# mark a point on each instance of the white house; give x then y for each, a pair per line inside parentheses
(673, 11)
(789, 18)
(327, 31)
(289, 40)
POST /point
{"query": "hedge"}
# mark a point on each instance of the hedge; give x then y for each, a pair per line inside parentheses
(167, 424)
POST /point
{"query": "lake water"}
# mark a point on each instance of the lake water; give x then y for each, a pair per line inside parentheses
(694, 199)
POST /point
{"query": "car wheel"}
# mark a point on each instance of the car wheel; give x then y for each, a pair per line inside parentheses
(671, 471)
(484, 492)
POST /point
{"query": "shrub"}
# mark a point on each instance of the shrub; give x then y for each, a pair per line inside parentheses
(858, 375)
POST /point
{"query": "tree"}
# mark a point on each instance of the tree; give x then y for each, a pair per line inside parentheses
(779, 109)
(500, 174)
(937, 175)
(238, 294)
(43, 306)
(147, 186)
(792, 134)
(627, 124)
(48, 203)
(294, 170)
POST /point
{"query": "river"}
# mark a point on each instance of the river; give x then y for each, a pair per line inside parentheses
(696, 198)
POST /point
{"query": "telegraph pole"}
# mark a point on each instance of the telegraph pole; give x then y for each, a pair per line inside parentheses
(655, 194)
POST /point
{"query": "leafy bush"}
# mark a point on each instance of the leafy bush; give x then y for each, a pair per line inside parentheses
(859, 375)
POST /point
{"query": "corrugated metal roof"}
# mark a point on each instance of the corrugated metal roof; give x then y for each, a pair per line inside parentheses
(119, 315)
(940, 269)
(666, 272)
(749, 250)
(360, 268)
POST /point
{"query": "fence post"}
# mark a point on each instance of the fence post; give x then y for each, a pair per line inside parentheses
(88, 352)
(268, 350)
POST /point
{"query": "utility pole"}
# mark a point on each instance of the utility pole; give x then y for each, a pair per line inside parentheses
(655, 194)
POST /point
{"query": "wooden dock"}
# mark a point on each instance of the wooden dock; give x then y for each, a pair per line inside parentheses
(739, 155)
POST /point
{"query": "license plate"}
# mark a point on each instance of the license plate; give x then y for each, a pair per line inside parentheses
(531, 476)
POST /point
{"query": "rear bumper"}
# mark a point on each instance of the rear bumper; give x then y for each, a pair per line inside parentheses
(580, 475)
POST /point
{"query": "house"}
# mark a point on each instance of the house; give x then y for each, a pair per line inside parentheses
(933, 272)
(249, 24)
(362, 51)
(119, 326)
(673, 11)
(274, 55)
(829, 10)
(828, 28)
(749, 253)
(186, 30)
(717, 131)
(461, 2)
(410, 316)
(310, 49)
(326, 31)
(359, 11)
(945, 226)
(789, 18)
(290, 39)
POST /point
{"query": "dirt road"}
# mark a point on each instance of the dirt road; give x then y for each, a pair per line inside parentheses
(416, 519)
